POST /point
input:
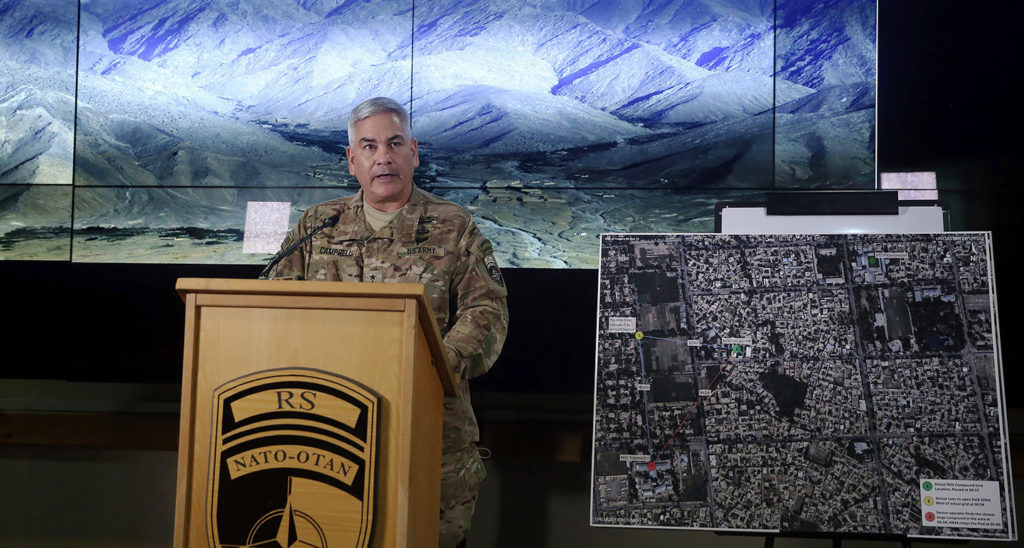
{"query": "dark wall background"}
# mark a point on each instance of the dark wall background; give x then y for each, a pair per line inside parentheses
(944, 104)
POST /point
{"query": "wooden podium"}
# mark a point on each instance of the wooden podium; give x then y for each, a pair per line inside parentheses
(311, 412)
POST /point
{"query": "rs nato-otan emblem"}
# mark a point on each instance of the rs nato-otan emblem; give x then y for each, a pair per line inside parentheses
(293, 461)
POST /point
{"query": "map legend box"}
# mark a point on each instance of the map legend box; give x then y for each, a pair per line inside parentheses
(960, 503)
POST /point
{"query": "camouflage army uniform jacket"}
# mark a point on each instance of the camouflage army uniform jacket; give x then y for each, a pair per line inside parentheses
(436, 243)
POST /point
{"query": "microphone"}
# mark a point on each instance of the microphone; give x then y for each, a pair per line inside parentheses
(326, 223)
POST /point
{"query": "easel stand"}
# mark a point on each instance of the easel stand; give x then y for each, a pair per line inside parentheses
(837, 540)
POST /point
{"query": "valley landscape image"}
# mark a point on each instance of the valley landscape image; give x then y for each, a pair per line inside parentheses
(138, 131)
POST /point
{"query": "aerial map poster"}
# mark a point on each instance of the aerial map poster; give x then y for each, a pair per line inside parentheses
(801, 383)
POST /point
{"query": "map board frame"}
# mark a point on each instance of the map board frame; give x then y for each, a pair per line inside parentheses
(677, 455)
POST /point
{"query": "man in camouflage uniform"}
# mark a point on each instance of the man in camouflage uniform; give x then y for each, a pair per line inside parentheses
(391, 231)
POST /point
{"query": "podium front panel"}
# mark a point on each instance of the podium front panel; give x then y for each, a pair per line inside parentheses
(376, 342)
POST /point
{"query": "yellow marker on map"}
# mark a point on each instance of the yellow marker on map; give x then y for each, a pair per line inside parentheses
(639, 335)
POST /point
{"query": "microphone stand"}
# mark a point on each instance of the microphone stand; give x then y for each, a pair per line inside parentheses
(326, 223)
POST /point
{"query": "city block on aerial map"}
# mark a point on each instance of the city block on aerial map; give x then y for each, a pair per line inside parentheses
(806, 383)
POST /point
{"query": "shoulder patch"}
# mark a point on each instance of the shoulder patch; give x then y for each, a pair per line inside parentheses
(493, 271)
(485, 247)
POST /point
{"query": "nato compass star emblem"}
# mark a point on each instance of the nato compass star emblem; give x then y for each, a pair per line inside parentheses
(293, 462)
(286, 528)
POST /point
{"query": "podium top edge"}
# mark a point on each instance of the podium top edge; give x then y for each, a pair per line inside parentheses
(309, 288)
(300, 287)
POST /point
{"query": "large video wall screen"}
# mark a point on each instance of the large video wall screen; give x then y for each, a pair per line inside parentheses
(140, 131)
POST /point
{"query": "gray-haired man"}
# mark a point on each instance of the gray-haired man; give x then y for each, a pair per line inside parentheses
(391, 231)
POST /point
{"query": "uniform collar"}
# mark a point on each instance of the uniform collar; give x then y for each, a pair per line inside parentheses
(403, 227)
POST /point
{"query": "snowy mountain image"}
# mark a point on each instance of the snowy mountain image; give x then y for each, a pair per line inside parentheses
(551, 120)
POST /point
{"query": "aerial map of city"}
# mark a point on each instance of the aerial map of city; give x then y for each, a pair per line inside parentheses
(833, 384)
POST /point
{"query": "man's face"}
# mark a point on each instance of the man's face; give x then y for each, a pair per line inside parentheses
(383, 157)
